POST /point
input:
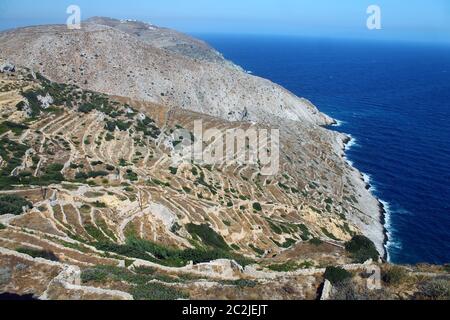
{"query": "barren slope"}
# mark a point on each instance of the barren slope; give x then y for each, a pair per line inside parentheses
(110, 61)
(165, 38)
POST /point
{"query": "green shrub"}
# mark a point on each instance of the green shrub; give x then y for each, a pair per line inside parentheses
(275, 228)
(256, 249)
(86, 108)
(2, 226)
(394, 275)
(291, 266)
(436, 289)
(130, 175)
(316, 241)
(284, 267)
(329, 234)
(146, 250)
(362, 249)
(305, 234)
(48, 255)
(336, 275)
(208, 236)
(12, 204)
(95, 233)
(257, 206)
(16, 128)
(99, 204)
(81, 176)
(241, 283)
(96, 174)
(94, 275)
(157, 291)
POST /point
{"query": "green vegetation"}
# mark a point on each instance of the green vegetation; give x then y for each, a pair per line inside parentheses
(159, 182)
(256, 249)
(146, 250)
(48, 255)
(130, 175)
(157, 291)
(329, 234)
(274, 227)
(139, 280)
(435, 289)
(290, 266)
(288, 243)
(95, 233)
(104, 227)
(208, 236)
(96, 174)
(12, 153)
(173, 170)
(362, 249)
(15, 128)
(305, 234)
(241, 283)
(316, 241)
(148, 128)
(394, 275)
(12, 204)
(186, 189)
(121, 125)
(337, 275)
(99, 204)
(257, 206)
(2, 226)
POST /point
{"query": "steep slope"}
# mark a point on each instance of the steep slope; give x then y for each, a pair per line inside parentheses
(87, 180)
(110, 61)
(92, 209)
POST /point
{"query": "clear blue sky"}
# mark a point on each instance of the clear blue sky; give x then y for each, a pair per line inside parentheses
(408, 20)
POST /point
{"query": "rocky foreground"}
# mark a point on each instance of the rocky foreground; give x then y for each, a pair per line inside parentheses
(94, 208)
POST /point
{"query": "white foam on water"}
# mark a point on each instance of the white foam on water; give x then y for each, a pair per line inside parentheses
(368, 180)
(392, 243)
(338, 123)
(351, 143)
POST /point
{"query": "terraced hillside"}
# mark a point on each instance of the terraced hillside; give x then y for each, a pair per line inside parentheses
(92, 206)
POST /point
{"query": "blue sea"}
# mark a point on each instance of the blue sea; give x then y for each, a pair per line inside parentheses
(394, 99)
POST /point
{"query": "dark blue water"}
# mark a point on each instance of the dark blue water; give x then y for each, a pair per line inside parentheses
(394, 99)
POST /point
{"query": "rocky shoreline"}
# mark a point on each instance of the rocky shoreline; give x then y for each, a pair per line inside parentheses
(381, 207)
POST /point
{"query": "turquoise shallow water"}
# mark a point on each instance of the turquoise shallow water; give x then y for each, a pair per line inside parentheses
(394, 99)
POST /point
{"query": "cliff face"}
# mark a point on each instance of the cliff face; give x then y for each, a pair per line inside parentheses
(93, 156)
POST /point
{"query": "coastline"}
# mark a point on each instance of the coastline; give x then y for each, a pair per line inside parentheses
(348, 142)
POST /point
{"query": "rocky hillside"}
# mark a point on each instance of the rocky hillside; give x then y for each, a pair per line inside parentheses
(108, 60)
(92, 201)
(164, 38)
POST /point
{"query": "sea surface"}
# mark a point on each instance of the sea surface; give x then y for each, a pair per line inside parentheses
(394, 99)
